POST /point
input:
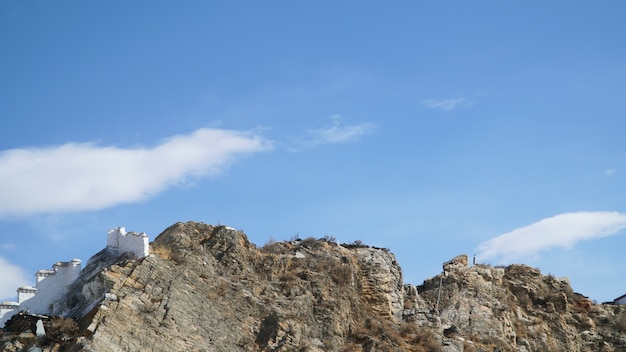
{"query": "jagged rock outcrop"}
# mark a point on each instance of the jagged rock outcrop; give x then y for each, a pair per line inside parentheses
(207, 288)
(516, 308)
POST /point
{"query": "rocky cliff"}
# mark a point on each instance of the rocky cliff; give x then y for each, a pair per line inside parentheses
(207, 288)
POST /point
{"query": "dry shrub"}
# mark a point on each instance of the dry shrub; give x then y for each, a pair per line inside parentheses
(620, 324)
(419, 340)
(289, 282)
(312, 243)
(407, 329)
(62, 329)
(469, 347)
(373, 325)
(359, 333)
(222, 288)
(355, 244)
(219, 291)
(523, 300)
(162, 252)
(304, 345)
(521, 330)
(341, 274)
(390, 338)
(272, 247)
(178, 257)
(491, 343)
(324, 264)
(288, 277)
(352, 347)
(581, 304)
(329, 239)
(390, 335)
(383, 335)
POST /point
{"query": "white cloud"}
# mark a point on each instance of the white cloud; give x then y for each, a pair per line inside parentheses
(445, 104)
(85, 176)
(563, 230)
(11, 277)
(335, 132)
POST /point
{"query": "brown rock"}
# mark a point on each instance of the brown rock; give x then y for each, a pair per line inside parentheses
(207, 288)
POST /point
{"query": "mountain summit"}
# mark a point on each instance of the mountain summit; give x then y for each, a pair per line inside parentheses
(207, 288)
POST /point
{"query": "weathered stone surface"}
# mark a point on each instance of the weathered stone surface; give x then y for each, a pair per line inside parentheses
(207, 288)
(221, 293)
(519, 309)
(381, 282)
(457, 263)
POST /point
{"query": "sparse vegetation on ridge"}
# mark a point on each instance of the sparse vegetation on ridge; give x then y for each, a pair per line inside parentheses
(208, 288)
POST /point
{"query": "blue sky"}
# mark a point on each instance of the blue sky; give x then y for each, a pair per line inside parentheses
(431, 128)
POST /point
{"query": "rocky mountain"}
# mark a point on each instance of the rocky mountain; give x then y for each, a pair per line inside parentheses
(207, 288)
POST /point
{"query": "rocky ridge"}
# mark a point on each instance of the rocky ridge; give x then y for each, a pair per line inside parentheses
(207, 288)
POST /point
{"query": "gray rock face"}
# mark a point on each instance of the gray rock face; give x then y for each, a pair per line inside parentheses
(381, 282)
(207, 288)
(457, 263)
(518, 309)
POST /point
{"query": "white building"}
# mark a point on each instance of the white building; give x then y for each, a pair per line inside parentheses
(121, 241)
(620, 300)
(52, 285)
(7, 310)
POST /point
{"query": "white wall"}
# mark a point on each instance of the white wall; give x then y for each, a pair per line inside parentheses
(121, 241)
(7, 310)
(25, 293)
(51, 285)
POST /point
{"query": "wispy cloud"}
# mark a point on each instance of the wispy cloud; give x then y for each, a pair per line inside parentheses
(13, 277)
(86, 176)
(609, 172)
(337, 132)
(563, 230)
(446, 104)
(8, 246)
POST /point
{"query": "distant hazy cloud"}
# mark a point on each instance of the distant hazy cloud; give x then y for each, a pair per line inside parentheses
(445, 104)
(336, 132)
(8, 246)
(86, 176)
(563, 230)
(609, 172)
(11, 277)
